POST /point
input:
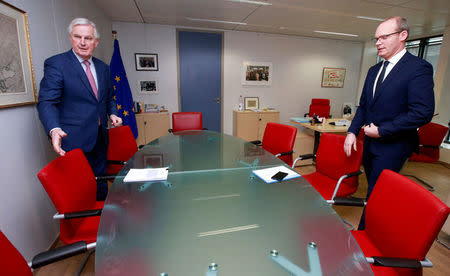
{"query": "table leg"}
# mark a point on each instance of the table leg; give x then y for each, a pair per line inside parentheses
(316, 142)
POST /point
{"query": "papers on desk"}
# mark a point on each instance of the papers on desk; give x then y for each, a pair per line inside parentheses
(266, 174)
(301, 119)
(150, 174)
(342, 123)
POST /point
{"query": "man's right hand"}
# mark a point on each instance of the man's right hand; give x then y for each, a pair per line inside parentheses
(350, 141)
(57, 134)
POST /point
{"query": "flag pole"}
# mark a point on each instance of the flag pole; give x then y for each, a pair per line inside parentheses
(114, 34)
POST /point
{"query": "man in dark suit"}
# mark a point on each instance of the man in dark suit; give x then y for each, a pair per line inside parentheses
(397, 98)
(76, 97)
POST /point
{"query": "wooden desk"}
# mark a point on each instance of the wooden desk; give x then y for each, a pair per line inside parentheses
(325, 128)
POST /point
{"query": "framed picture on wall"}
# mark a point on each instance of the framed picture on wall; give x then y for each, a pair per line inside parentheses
(333, 77)
(148, 86)
(146, 62)
(256, 73)
(16, 69)
(251, 103)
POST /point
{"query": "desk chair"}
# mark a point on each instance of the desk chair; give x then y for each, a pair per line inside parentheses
(279, 140)
(320, 108)
(186, 121)
(336, 174)
(430, 138)
(402, 221)
(122, 146)
(72, 187)
(13, 263)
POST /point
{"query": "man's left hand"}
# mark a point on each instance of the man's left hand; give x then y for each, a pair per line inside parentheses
(116, 121)
(372, 131)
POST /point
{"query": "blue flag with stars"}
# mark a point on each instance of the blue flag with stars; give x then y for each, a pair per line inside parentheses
(122, 91)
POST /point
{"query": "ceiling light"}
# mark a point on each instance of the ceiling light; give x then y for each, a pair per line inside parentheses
(252, 2)
(215, 21)
(370, 18)
(333, 33)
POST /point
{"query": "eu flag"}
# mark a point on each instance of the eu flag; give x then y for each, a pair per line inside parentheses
(122, 91)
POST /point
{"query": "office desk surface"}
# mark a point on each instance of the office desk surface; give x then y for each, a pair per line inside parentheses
(326, 127)
(212, 209)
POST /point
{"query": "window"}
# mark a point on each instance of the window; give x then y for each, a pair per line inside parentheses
(427, 48)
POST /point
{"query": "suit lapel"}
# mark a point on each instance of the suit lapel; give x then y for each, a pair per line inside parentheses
(80, 72)
(391, 76)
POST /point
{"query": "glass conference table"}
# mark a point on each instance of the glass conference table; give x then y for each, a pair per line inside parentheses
(214, 217)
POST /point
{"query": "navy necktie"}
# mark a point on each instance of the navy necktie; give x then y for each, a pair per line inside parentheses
(381, 77)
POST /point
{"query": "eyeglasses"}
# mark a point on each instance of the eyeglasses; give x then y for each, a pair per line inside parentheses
(384, 37)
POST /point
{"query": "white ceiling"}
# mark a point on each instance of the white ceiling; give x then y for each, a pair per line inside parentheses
(292, 17)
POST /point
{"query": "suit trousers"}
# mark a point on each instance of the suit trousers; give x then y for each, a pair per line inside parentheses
(374, 164)
(97, 158)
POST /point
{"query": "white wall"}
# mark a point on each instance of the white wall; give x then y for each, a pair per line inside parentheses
(297, 72)
(297, 68)
(145, 38)
(25, 209)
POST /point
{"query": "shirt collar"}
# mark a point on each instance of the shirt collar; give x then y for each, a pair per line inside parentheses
(80, 59)
(393, 60)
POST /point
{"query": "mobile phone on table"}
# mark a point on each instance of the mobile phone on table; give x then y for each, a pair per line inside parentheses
(279, 176)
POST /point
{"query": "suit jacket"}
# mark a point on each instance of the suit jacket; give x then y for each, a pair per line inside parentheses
(66, 100)
(403, 102)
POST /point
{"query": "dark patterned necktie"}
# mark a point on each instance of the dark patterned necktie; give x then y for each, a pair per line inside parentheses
(381, 77)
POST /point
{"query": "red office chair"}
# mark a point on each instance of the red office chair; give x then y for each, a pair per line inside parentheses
(13, 263)
(71, 185)
(320, 108)
(279, 140)
(402, 221)
(336, 174)
(186, 121)
(430, 138)
(122, 146)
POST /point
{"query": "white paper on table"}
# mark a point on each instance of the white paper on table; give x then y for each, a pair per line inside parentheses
(149, 174)
(266, 174)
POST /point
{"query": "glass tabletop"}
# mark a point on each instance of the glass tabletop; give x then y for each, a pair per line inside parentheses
(213, 216)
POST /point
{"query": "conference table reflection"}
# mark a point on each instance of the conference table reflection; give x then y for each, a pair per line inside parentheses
(212, 216)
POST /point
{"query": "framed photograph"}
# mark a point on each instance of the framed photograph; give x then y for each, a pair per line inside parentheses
(153, 161)
(333, 77)
(16, 69)
(148, 86)
(347, 110)
(146, 62)
(257, 73)
(251, 103)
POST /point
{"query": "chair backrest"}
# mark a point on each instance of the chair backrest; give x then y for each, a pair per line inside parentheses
(122, 146)
(279, 138)
(71, 185)
(11, 261)
(402, 217)
(187, 121)
(332, 161)
(319, 107)
(430, 138)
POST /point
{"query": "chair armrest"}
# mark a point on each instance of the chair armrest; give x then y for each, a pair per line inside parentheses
(80, 214)
(256, 142)
(60, 253)
(399, 262)
(116, 162)
(347, 201)
(430, 146)
(338, 184)
(284, 153)
(204, 128)
(141, 146)
(303, 157)
(106, 177)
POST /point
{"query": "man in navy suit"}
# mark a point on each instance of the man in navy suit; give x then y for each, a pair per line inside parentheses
(397, 98)
(76, 97)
